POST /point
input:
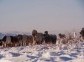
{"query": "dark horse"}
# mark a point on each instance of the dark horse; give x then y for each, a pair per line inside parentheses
(9, 41)
(37, 37)
(49, 38)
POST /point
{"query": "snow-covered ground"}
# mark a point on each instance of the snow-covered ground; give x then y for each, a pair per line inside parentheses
(43, 53)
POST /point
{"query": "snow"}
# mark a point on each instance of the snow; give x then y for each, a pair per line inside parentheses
(43, 53)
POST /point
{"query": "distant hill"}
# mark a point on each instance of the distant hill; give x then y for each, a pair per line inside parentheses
(1, 35)
(16, 33)
(13, 34)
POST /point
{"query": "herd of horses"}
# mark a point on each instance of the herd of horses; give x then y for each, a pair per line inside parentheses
(36, 38)
(24, 40)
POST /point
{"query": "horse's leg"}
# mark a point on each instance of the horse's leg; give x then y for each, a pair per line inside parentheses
(4, 45)
(34, 42)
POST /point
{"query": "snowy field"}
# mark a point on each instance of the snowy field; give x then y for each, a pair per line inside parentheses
(43, 53)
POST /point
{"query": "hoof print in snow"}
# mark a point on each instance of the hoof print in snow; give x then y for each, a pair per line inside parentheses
(53, 54)
(65, 58)
(73, 54)
(15, 54)
(1, 56)
(31, 57)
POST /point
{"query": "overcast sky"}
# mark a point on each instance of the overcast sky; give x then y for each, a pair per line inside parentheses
(51, 15)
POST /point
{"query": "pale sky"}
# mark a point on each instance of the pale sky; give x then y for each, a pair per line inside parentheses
(52, 15)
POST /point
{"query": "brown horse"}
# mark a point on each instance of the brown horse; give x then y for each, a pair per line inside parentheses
(9, 41)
